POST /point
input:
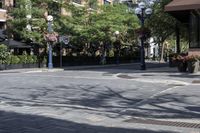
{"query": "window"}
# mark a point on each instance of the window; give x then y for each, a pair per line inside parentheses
(194, 30)
(1, 3)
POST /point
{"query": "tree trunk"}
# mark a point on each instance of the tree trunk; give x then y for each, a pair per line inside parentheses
(162, 52)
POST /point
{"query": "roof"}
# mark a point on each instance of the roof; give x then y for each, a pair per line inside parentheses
(15, 44)
(181, 5)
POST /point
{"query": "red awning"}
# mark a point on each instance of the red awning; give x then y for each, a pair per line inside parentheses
(182, 5)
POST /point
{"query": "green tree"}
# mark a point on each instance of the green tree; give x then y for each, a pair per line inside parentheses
(96, 26)
(163, 26)
(29, 23)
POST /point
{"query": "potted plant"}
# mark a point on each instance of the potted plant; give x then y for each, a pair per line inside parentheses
(172, 60)
(193, 63)
(181, 63)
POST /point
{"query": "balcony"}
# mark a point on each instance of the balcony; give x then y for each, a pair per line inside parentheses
(3, 15)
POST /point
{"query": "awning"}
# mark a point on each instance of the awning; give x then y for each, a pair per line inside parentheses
(15, 44)
(182, 5)
(180, 9)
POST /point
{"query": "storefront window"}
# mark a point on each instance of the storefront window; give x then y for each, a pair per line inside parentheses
(194, 31)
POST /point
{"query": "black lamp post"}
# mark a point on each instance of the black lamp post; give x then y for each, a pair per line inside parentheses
(117, 46)
(143, 12)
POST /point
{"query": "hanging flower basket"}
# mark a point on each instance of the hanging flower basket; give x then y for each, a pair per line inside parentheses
(143, 32)
(51, 37)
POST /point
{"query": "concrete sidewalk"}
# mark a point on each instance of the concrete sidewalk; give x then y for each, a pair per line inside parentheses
(32, 70)
(133, 66)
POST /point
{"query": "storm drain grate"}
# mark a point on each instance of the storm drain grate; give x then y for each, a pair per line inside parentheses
(126, 77)
(164, 123)
(196, 81)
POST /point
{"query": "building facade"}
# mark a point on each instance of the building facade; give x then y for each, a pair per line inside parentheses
(4, 4)
(188, 12)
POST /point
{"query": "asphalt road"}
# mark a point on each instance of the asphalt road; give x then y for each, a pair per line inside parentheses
(97, 101)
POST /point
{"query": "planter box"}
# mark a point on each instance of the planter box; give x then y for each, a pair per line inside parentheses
(172, 63)
(193, 67)
(20, 66)
(14, 66)
(2, 66)
(30, 65)
(182, 66)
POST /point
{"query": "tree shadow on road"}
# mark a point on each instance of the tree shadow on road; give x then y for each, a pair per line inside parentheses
(170, 106)
(11, 122)
(105, 100)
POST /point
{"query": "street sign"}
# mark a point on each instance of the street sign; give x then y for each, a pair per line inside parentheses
(64, 39)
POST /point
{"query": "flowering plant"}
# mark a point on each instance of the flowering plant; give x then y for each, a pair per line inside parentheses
(52, 37)
(192, 58)
(143, 32)
(179, 58)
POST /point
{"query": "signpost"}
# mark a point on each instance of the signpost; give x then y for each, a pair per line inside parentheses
(63, 40)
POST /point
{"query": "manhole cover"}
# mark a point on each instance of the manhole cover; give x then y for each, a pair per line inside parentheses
(126, 77)
(196, 81)
(176, 85)
(164, 123)
(146, 75)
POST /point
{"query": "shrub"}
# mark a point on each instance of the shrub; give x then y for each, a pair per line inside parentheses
(34, 57)
(23, 59)
(3, 54)
(111, 53)
(30, 59)
(14, 59)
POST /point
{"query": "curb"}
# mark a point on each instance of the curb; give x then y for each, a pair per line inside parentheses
(34, 70)
(45, 70)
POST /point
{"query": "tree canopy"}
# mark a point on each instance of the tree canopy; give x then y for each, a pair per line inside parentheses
(85, 24)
